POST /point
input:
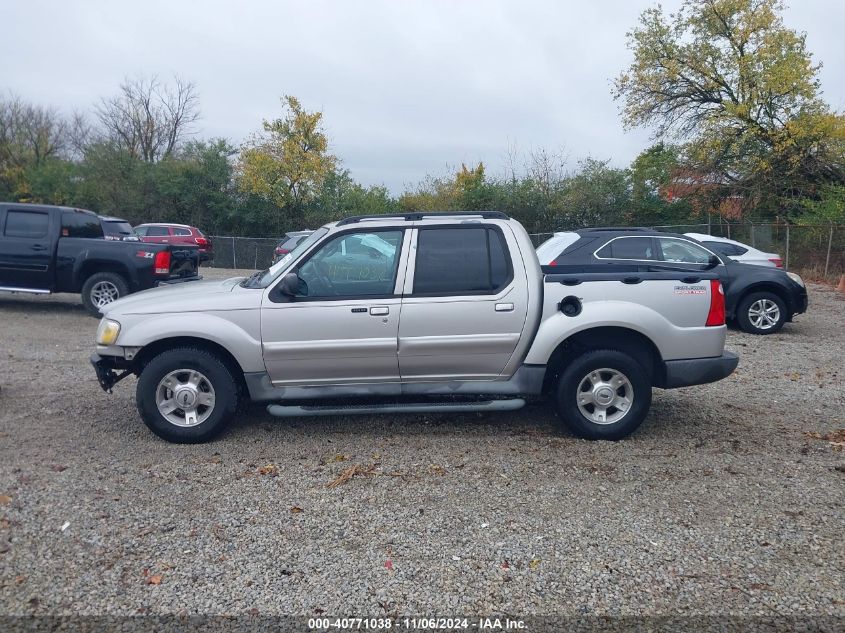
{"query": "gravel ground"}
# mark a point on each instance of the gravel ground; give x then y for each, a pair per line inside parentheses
(721, 503)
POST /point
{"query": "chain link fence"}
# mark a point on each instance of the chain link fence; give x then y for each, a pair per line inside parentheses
(243, 252)
(817, 251)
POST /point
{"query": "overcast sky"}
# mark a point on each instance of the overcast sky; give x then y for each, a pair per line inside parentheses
(407, 88)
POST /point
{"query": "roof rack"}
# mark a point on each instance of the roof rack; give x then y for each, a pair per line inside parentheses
(421, 215)
(597, 229)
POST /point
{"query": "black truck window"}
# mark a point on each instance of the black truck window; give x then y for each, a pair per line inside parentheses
(79, 224)
(31, 224)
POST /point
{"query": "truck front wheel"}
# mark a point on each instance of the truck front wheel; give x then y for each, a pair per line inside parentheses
(101, 289)
(186, 395)
(603, 395)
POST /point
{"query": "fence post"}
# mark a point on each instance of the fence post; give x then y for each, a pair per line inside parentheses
(234, 254)
(255, 265)
(752, 235)
(829, 244)
(786, 262)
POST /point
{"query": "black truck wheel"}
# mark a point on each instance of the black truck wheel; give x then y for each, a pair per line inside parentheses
(186, 395)
(101, 289)
(603, 395)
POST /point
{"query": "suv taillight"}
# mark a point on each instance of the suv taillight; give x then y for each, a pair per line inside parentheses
(716, 315)
(201, 241)
(777, 261)
(161, 266)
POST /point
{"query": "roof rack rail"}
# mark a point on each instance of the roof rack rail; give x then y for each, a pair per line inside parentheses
(421, 215)
(596, 229)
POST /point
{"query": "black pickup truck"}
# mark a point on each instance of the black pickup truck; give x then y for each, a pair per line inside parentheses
(45, 249)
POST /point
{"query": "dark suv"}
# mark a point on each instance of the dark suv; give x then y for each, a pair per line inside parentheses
(760, 299)
(288, 243)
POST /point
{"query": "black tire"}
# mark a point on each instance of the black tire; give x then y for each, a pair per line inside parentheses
(214, 373)
(571, 388)
(770, 304)
(96, 285)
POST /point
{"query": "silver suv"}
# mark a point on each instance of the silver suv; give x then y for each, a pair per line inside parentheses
(416, 312)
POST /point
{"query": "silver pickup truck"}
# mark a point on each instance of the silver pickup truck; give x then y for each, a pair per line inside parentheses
(415, 313)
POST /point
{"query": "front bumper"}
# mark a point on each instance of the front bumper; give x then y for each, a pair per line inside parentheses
(801, 302)
(105, 366)
(697, 371)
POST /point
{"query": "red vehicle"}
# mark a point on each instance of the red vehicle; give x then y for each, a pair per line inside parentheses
(160, 233)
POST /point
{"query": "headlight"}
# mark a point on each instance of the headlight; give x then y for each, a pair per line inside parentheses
(796, 278)
(107, 332)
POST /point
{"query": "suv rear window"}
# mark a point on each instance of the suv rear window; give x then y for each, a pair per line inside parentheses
(78, 224)
(455, 261)
(117, 229)
(157, 231)
(675, 250)
(178, 231)
(724, 248)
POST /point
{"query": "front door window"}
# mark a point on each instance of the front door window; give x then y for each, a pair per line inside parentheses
(353, 265)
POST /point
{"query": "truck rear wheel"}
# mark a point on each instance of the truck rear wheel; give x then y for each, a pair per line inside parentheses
(603, 395)
(101, 289)
(186, 395)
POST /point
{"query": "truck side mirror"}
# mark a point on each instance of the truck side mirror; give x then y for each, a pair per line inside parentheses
(289, 285)
(292, 285)
(712, 262)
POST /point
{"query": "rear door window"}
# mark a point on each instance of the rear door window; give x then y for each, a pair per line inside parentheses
(178, 231)
(31, 224)
(637, 248)
(157, 231)
(460, 261)
(78, 224)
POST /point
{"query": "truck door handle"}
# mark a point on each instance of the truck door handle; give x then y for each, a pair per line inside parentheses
(38, 247)
(504, 307)
(379, 310)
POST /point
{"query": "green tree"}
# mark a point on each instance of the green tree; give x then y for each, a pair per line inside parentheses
(827, 207)
(741, 89)
(652, 199)
(286, 165)
(340, 196)
(596, 195)
(198, 184)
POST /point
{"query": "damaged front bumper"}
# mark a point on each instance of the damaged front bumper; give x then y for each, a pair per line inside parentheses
(107, 367)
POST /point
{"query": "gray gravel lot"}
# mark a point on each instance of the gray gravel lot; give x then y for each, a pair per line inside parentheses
(720, 504)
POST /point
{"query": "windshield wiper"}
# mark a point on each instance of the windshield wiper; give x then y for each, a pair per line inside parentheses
(247, 283)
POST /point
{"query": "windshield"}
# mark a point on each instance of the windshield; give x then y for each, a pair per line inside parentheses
(263, 278)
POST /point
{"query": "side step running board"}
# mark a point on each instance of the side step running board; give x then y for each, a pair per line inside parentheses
(27, 291)
(284, 411)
